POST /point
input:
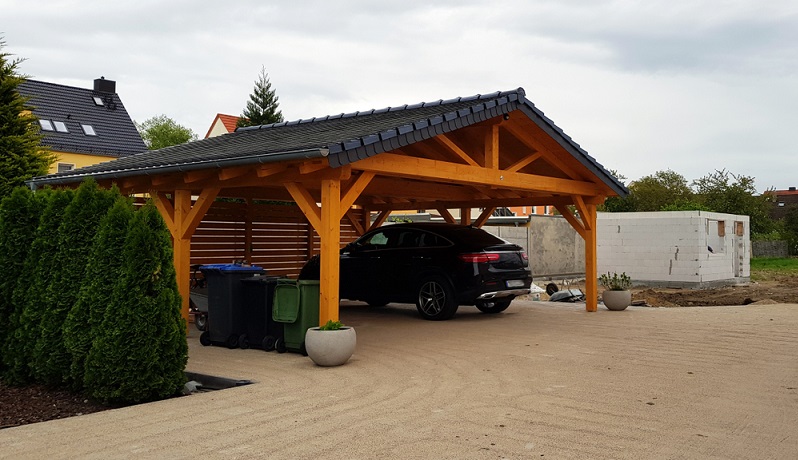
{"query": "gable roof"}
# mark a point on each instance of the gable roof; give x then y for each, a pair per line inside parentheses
(116, 135)
(230, 122)
(341, 139)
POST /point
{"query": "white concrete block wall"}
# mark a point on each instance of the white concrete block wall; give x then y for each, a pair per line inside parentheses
(671, 247)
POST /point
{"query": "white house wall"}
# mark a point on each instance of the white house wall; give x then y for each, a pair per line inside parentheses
(672, 248)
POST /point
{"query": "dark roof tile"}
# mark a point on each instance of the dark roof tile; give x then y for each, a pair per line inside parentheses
(342, 138)
(116, 134)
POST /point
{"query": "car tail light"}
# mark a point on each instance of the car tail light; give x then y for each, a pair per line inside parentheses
(479, 257)
(524, 256)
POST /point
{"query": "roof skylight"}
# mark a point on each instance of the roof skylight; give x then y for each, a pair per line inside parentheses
(88, 130)
(98, 100)
(46, 125)
(60, 126)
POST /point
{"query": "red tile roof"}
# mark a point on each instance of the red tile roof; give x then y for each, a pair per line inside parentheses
(229, 122)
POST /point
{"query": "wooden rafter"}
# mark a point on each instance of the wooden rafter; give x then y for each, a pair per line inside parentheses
(307, 204)
(447, 216)
(354, 190)
(483, 218)
(450, 146)
(518, 165)
(536, 145)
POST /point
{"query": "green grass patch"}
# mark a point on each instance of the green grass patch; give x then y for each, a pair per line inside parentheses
(767, 267)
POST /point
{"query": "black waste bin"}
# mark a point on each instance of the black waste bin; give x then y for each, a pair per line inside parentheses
(225, 302)
(261, 331)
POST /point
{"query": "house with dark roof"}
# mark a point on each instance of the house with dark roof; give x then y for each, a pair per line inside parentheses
(222, 124)
(783, 201)
(82, 126)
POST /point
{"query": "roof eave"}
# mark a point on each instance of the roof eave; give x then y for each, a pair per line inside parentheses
(272, 157)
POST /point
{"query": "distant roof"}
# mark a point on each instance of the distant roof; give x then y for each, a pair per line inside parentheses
(229, 121)
(115, 133)
(342, 139)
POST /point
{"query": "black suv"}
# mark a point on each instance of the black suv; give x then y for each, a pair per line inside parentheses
(434, 265)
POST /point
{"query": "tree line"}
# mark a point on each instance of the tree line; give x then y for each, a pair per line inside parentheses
(719, 191)
(88, 295)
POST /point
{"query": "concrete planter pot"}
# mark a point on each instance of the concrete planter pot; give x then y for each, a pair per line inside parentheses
(330, 348)
(617, 300)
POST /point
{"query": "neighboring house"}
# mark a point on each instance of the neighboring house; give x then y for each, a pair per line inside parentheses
(82, 126)
(222, 124)
(783, 200)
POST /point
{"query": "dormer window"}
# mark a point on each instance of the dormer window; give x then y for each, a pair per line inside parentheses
(60, 126)
(46, 125)
(98, 101)
(88, 130)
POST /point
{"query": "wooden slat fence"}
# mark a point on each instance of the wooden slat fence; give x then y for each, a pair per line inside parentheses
(281, 242)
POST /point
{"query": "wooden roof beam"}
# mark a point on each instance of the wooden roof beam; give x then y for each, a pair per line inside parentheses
(420, 168)
(536, 145)
(451, 146)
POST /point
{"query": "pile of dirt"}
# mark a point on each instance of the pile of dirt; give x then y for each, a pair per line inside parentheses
(783, 289)
(780, 290)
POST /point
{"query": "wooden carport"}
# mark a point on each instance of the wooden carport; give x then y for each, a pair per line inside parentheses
(481, 152)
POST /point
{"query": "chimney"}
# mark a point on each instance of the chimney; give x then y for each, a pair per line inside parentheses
(104, 86)
(792, 189)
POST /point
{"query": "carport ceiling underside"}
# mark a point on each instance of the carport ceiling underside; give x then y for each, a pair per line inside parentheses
(477, 152)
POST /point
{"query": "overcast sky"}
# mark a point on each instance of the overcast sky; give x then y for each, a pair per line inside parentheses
(687, 85)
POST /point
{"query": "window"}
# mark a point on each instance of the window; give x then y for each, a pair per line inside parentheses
(64, 167)
(739, 229)
(46, 125)
(60, 126)
(88, 130)
(781, 204)
(98, 101)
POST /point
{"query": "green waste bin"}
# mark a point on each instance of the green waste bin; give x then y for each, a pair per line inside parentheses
(296, 305)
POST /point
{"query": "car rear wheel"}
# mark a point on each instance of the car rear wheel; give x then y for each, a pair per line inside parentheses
(436, 300)
(495, 306)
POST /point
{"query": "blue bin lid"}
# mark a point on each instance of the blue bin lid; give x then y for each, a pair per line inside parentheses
(231, 268)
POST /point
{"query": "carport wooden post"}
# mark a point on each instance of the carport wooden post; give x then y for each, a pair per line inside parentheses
(330, 234)
(181, 220)
(591, 259)
(586, 227)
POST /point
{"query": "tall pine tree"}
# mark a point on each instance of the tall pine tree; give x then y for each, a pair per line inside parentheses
(21, 156)
(19, 218)
(103, 269)
(30, 293)
(262, 107)
(140, 352)
(75, 236)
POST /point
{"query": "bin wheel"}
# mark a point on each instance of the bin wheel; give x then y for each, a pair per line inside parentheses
(232, 341)
(243, 342)
(268, 343)
(205, 339)
(302, 349)
(279, 345)
(201, 322)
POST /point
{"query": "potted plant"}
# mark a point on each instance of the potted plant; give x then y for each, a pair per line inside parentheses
(331, 344)
(616, 295)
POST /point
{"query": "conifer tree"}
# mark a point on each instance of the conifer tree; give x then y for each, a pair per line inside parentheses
(263, 106)
(140, 352)
(21, 156)
(75, 236)
(30, 292)
(19, 218)
(103, 269)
